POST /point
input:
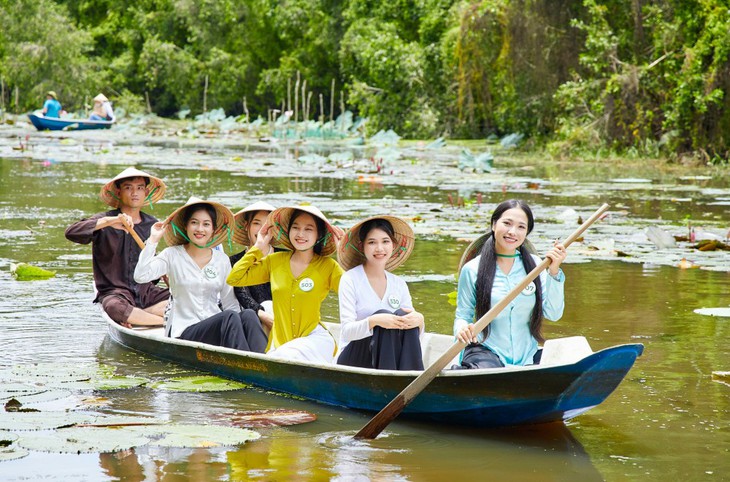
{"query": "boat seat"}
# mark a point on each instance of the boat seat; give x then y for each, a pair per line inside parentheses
(433, 346)
(565, 351)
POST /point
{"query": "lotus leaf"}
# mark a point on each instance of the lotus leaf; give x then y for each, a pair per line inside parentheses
(202, 383)
(83, 440)
(196, 435)
(27, 272)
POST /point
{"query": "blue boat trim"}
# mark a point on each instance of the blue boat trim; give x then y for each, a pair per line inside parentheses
(43, 123)
(485, 398)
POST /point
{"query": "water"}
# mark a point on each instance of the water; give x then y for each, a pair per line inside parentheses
(667, 419)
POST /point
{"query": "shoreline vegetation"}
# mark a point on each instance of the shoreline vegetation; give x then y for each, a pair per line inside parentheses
(583, 79)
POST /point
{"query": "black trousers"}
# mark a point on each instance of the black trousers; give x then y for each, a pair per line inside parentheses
(385, 349)
(477, 355)
(230, 329)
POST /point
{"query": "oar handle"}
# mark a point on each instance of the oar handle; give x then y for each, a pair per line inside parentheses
(381, 420)
(130, 229)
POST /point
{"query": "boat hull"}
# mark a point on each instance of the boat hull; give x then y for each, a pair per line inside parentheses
(485, 398)
(57, 124)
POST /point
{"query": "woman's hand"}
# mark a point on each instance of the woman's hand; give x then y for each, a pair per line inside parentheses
(413, 319)
(156, 232)
(466, 334)
(263, 238)
(557, 256)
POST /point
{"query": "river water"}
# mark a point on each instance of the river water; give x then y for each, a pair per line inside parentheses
(668, 418)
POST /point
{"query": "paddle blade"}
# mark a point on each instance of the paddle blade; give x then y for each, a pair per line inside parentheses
(378, 423)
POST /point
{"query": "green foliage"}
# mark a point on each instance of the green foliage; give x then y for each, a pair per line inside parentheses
(635, 78)
(41, 50)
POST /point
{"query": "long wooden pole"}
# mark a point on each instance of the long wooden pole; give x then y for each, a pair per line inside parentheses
(376, 425)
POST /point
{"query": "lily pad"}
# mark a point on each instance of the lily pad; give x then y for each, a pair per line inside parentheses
(27, 272)
(191, 436)
(12, 453)
(83, 440)
(267, 418)
(722, 377)
(43, 420)
(199, 384)
(722, 312)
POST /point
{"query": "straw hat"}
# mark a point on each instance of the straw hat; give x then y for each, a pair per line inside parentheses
(108, 192)
(241, 234)
(475, 247)
(279, 221)
(351, 253)
(100, 98)
(52, 94)
(174, 226)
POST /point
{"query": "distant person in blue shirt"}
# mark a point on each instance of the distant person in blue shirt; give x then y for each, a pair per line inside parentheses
(51, 107)
(503, 261)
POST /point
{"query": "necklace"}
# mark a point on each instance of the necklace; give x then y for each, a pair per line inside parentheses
(508, 255)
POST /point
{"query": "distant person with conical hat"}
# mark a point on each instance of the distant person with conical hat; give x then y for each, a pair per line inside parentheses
(300, 280)
(378, 326)
(249, 222)
(115, 251)
(102, 109)
(197, 277)
(51, 107)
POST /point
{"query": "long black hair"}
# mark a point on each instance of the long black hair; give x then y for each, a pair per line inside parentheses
(488, 266)
(321, 229)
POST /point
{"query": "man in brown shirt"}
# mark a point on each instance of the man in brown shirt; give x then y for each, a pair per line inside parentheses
(115, 252)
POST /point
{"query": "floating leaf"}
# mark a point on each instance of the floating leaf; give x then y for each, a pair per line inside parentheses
(723, 312)
(196, 435)
(43, 420)
(27, 272)
(84, 440)
(201, 383)
(267, 418)
(722, 377)
(12, 452)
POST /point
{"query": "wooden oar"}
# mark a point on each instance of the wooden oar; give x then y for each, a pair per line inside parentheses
(127, 227)
(376, 425)
(133, 233)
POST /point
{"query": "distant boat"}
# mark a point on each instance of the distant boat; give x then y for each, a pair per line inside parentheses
(550, 392)
(43, 123)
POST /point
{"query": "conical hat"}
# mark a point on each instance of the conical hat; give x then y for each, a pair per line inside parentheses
(108, 192)
(241, 234)
(100, 98)
(174, 226)
(351, 253)
(475, 247)
(279, 221)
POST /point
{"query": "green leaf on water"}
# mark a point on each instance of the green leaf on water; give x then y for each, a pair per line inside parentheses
(196, 435)
(83, 440)
(723, 312)
(202, 383)
(27, 272)
(16, 421)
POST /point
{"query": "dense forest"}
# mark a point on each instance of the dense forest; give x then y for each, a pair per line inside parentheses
(632, 77)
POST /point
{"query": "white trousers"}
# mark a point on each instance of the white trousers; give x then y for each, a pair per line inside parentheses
(318, 346)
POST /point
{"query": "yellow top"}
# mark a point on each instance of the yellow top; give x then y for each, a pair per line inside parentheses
(296, 300)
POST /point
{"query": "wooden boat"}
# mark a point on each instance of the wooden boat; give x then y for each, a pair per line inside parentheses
(571, 384)
(43, 123)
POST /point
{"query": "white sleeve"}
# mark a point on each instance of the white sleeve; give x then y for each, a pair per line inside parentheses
(150, 267)
(351, 328)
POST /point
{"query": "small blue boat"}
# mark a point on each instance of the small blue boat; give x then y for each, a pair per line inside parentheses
(43, 123)
(485, 398)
